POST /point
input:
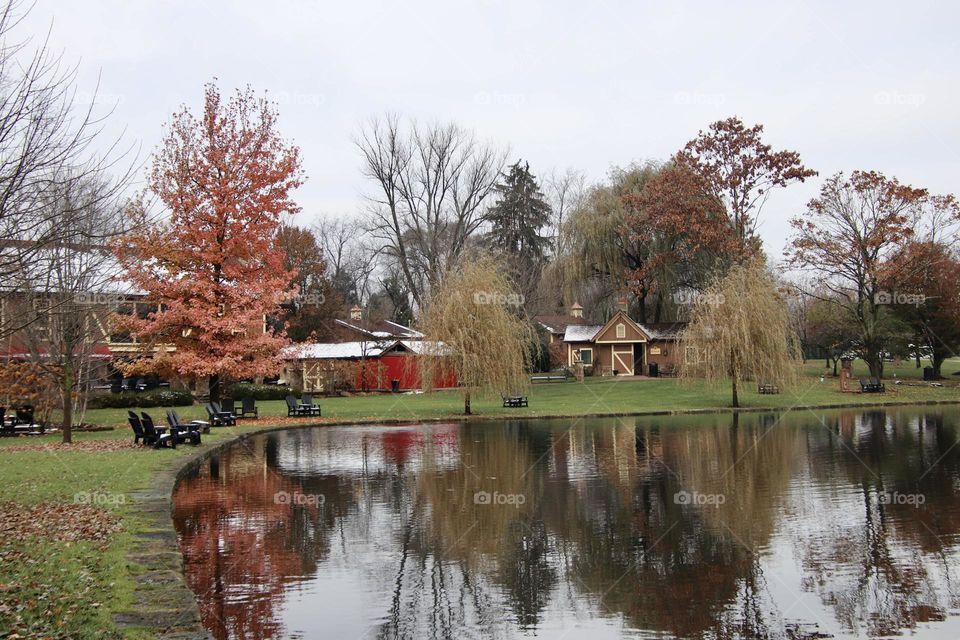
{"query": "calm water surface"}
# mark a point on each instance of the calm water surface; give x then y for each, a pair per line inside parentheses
(807, 525)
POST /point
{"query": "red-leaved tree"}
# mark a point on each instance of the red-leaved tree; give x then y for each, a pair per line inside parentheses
(215, 267)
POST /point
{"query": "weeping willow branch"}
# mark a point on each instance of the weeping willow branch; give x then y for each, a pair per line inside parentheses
(740, 330)
(481, 339)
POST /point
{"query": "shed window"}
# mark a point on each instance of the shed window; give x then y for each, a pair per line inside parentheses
(584, 356)
(621, 331)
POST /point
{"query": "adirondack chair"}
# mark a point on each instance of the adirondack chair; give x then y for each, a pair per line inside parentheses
(6, 426)
(307, 401)
(217, 418)
(293, 409)
(225, 414)
(248, 406)
(173, 419)
(153, 435)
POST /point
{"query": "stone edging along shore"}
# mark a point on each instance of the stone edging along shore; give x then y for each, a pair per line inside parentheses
(162, 601)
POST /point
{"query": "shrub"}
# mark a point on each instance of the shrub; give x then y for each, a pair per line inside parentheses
(143, 400)
(260, 391)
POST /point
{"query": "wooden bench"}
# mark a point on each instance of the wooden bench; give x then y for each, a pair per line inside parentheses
(667, 372)
(768, 389)
(549, 378)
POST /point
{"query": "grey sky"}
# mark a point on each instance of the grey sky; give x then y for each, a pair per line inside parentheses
(582, 84)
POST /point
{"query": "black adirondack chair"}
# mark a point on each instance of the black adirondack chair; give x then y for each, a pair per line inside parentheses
(158, 436)
(6, 426)
(227, 405)
(138, 434)
(228, 415)
(248, 407)
(872, 385)
(186, 427)
(25, 415)
(307, 401)
(217, 417)
(293, 409)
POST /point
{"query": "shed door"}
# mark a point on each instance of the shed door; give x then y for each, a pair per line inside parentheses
(623, 359)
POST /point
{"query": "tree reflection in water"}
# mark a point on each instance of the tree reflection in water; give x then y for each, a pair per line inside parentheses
(808, 539)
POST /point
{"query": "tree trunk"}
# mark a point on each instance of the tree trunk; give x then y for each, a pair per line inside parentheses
(736, 398)
(836, 361)
(937, 362)
(214, 383)
(874, 363)
(466, 404)
(66, 389)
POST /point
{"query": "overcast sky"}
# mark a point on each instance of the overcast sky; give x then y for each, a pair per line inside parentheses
(588, 85)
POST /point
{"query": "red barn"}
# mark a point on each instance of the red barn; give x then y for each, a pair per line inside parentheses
(366, 365)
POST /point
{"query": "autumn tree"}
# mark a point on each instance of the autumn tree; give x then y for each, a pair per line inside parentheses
(829, 328)
(741, 170)
(473, 322)
(681, 233)
(430, 187)
(846, 240)
(310, 313)
(215, 267)
(518, 223)
(928, 278)
(740, 330)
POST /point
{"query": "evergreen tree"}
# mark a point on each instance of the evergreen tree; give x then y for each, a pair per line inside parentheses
(517, 224)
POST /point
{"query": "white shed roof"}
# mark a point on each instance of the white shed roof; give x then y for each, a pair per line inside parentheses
(581, 332)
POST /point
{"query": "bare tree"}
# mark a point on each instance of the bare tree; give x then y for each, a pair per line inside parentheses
(351, 258)
(46, 140)
(431, 186)
(565, 191)
(69, 288)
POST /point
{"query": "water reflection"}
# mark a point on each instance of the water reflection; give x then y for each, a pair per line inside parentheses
(834, 524)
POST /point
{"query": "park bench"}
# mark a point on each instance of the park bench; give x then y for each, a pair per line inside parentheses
(668, 371)
(553, 377)
(768, 389)
(514, 401)
(872, 385)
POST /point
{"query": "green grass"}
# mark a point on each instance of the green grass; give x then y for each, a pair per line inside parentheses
(74, 574)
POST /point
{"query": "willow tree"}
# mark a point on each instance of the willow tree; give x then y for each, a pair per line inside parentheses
(473, 321)
(740, 330)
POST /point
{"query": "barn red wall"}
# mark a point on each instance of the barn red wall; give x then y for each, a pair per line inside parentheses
(394, 366)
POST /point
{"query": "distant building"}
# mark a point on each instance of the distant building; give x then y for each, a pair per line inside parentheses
(620, 345)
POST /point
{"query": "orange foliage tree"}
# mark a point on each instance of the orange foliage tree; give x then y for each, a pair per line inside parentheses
(215, 268)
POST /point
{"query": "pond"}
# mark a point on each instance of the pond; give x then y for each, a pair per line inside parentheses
(807, 524)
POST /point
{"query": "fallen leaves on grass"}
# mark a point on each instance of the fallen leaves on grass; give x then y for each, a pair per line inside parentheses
(57, 521)
(86, 446)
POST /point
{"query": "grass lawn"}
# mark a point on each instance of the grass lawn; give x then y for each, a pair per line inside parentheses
(53, 585)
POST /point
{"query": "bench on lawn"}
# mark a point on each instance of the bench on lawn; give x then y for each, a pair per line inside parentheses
(555, 377)
(768, 388)
(514, 401)
(872, 385)
(667, 372)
